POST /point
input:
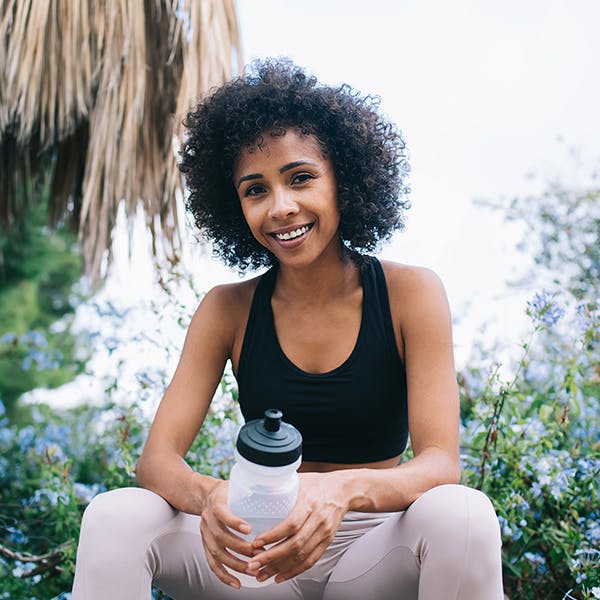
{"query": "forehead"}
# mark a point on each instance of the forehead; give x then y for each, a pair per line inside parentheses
(282, 147)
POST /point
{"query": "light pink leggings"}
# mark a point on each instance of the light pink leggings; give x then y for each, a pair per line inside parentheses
(445, 546)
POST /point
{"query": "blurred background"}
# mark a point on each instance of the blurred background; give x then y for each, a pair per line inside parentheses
(100, 268)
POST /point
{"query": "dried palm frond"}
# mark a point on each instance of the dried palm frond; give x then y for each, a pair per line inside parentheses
(92, 94)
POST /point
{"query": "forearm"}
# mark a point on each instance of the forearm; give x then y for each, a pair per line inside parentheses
(394, 489)
(168, 475)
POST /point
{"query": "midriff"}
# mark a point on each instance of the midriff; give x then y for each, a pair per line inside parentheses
(325, 467)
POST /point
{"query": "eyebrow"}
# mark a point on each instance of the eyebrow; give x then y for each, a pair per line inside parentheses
(283, 169)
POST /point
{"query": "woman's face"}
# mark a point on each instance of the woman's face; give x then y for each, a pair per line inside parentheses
(288, 195)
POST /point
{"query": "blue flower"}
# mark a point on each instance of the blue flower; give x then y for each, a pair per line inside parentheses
(16, 535)
(536, 559)
(7, 338)
(506, 528)
(85, 493)
(25, 438)
(544, 308)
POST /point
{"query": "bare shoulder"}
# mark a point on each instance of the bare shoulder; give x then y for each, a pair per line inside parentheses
(411, 284)
(227, 302)
(231, 296)
(417, 296)
(222, 314)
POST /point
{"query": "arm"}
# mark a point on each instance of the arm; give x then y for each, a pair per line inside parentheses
(419, 304)
(423, 332)
(162, 468)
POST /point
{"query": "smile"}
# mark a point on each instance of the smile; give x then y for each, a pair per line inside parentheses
(290, 235)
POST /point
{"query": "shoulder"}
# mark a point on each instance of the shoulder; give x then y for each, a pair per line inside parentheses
(416, 294)
(412, 282)
(224, 309)
(229, 300)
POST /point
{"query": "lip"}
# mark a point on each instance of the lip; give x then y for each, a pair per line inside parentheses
(297, 241)
(291, 228)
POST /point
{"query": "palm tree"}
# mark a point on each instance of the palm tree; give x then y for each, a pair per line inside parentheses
(92, 94)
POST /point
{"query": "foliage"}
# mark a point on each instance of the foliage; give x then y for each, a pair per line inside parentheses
(529, 441)
(532, 444)
(562, 229)
(51, 468)
(38, 269)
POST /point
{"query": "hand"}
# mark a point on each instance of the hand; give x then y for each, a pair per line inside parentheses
(305, 534)
(216, 521)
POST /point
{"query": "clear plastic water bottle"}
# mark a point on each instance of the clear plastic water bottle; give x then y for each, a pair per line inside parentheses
(263, 484)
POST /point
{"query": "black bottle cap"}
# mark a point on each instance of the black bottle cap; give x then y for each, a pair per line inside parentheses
(270, 441)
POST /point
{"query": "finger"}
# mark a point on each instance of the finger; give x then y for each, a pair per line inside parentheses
(221, 556)
(297, 568)
(233, 562)
(219, 536)
(221, 572)
(294, 554)
(226, 517)
(288, 527)
(296, 549)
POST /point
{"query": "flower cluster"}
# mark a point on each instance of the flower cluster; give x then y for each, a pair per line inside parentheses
(531, 443)
(544, 308)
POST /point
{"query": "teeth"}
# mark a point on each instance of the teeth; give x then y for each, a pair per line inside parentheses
(290, 235)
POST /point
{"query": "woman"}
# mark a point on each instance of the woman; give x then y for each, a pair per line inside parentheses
(304, 178)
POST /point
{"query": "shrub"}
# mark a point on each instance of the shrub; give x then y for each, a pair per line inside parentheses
(531, 443)
(529, 440)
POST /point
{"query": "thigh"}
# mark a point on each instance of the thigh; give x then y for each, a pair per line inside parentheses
(381, 564)
(131, 538)
(178, 562)
(445, 545)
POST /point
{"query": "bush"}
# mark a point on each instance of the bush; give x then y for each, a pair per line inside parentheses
(51, 469)
(530, 441)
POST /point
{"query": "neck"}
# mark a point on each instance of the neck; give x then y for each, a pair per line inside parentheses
(319, 282)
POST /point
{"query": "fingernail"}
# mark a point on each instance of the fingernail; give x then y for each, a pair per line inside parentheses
(234, 584)
(253, 566)
(245, 528)
(257, 543)
(262, 577)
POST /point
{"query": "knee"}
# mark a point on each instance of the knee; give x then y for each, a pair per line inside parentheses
(456, 512)
(111, 515)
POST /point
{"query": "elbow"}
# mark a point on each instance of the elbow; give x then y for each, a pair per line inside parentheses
(452, 471)
(448, 470)
(455, 474)
(141, 470)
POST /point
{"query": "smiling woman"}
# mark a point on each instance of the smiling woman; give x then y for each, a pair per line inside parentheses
(289, 200)
(357, 353)
(367, 154)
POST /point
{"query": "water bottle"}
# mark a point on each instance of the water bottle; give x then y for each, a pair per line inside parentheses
(263, 484)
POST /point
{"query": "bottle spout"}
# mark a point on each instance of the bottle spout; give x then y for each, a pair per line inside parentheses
(272, 420)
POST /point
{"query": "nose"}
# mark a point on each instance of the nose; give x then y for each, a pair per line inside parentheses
(283, 205)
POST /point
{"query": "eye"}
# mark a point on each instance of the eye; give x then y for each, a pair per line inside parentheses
(301, 177)
(254, 190)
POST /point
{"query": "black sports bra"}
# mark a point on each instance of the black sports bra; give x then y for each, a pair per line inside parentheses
(356, 413)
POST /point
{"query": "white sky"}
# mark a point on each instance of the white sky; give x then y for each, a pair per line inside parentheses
(481, 91)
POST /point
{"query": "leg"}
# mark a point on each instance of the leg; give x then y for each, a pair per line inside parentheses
(132, 538)
(445, 545)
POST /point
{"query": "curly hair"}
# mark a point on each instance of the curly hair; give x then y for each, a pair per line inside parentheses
(368, 154)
